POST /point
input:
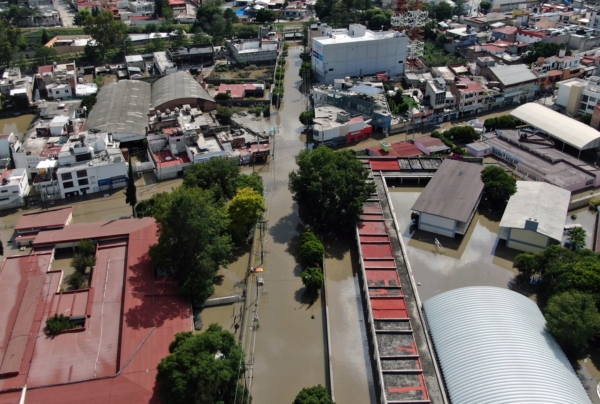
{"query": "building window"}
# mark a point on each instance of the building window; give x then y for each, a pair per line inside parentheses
(4, 191)
(590, 106)
(66, 176)
(81, 173)
(83, 181)
(57, 92)
(584, 98)
(582, 106)
(589, 182)
(66, 91)
(592, 99)
(68, 184)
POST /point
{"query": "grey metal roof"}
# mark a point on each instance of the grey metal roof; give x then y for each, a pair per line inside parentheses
(366, 89)
(453, 191)
(513, 74)
(557, 125)
(121, 107)
(177, 85)
(541, 202)
(493, 348)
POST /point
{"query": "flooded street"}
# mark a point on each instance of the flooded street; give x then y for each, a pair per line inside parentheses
(16, 125)
(478, 258)
(287, 351)
(352, 372)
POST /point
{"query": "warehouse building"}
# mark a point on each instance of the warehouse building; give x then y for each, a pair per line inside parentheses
(532, 226)
(357, 51)
(493, 347)
(448, 203)
(123, 108)
(559, 127)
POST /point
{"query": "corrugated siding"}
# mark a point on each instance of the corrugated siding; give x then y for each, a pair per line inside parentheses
(493, 348)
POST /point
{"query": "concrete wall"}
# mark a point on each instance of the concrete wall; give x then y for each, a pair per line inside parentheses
(96, 179)
(437, 224)
(526, 240)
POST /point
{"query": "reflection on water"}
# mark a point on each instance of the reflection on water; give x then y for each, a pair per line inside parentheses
(478, 258)
(17, 125)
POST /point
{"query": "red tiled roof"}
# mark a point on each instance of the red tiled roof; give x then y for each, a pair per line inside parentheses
(237, 91)
(98, 230)
(131, 323)
(506, 30)
(399, 149)
(531, 33)
(45, 69)
(471, 85)
(57, 218)
(166, 159)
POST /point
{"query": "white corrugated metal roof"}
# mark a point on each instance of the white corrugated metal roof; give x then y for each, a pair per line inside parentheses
(493, 348)
(540, 202)
(565, 129)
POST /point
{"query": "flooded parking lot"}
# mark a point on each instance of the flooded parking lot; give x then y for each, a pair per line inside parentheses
(478, 258)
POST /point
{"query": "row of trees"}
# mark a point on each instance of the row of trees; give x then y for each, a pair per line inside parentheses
(311, 254)
(501, 122)
(568, 291)
(200, 221)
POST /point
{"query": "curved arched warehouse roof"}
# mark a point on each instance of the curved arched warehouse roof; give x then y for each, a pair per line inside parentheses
(494, 348)
(558, 126)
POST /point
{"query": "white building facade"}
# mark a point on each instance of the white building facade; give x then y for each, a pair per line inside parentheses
(357, 51)
(13, 188)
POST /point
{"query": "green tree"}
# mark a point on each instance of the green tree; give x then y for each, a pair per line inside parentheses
(544, 50)
(10, 37)
(441, 40)
(253, 181)
(154, 207)
(442, 11)
(167, 14)
(313, 279)
(192, 241)
(306, 71)
(46, 54)
(88, 102)
(312, 253)
(45, 38)
(585, 118)
(156, 44)
(87, 248)
(264, 16)
(333, 186)
(244, 210)
(501, 122)
(105, 30)
(527, 264)
(229, 15)
(76, 280)
(217, 175)
(307, 236)
(498, 188)
(130, 192)
(430, 30)
(576, 237)
(180, 39)
(58, 323)
(459, 9)
(159, 6)
(573, 319)
(80, 17)
(224, 114)
(307, 117)
(463, 134)
(203, 369)
(485, 6)
(313, 395)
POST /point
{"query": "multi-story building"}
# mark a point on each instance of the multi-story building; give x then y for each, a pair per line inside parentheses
(578, 96)
(517, 83)
(88, 163)
(470, 95)
(357, 51)
(261, 50)
(460, 38)
(556, 68)
(508, 34)
(13, 188)
(439, 94)
(52, 80)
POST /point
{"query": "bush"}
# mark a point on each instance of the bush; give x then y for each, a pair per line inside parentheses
(244, 75)
(224, 114)
(58, 323)
(594, 205)
(307, 117)
(312, 252)
(463, 134)
(76, 280)
(221, 67)
(222, 96)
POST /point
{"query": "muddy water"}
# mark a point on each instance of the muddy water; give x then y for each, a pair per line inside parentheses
(16, 125)
(352, 373)
(287, 351)
(478, 258)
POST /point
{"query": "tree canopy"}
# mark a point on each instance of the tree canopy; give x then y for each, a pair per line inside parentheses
(313, 395)
(106, 31)
(332, 186)
(501, 122)
(498, 188)
(462, 134)
(544, 50)
(253, 181)
(218, 175)
(203, 369)
(244, 210)
(576, 238)
(10, 36)
(573, 319)
(193, 242)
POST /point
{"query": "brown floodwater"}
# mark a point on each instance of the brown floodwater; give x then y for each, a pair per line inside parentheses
(17, 124)
(478, 258)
